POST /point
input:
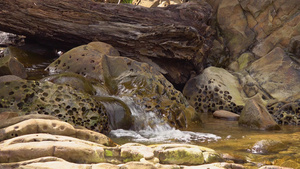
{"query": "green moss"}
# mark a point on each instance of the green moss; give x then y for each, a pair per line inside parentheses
(108, 153)
(181, 156)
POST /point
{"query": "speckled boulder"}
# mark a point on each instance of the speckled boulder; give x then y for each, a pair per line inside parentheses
(9, 65)
(125, 77)
(69, 105)
(214, 89)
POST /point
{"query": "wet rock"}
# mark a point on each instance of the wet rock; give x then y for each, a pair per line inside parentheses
(125, 77)
(227, 115)
(277, 74)
(74, 80)
(184, 154)
(9, 65)
(214, 89)
(256, 116)
(61, 101)
(268, 146)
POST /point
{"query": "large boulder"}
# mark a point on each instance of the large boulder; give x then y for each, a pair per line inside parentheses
(214, 89)
(126, 78)
(256, 116)
(61, 101)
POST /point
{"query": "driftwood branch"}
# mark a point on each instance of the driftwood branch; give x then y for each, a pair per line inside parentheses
(176, 34)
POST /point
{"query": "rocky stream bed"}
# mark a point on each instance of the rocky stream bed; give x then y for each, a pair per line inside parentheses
(92, 107)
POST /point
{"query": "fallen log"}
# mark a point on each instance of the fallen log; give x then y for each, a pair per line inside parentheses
(175, 39)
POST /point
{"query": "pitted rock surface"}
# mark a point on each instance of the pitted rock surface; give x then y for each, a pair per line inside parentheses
(69, 105)
(214, 89)
(286, 113)
(125, 77)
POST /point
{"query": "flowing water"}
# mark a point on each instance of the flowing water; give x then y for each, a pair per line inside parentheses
(240, 144)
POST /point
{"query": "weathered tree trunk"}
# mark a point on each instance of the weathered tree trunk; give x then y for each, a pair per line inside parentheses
(175, 38)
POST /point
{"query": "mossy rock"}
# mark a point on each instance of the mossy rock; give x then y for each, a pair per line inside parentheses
(69, 105)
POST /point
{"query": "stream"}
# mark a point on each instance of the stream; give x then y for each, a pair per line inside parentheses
(240, 144)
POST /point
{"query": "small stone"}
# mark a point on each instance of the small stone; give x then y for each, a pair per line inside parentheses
(227, 115)
(268, 146)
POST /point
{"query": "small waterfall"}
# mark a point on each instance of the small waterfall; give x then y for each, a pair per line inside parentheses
(149, 128)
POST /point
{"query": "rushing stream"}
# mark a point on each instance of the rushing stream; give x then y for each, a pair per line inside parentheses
(148, 128)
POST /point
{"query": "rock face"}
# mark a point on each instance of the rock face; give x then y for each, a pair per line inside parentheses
(269, 23)
(277, 74)
(124, 77)
(256, 116)
(234, 26)
(213, 90)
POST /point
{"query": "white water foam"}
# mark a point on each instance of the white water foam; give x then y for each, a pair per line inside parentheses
(150, 128)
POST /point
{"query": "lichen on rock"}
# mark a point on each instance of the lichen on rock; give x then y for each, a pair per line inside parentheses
(69, 105)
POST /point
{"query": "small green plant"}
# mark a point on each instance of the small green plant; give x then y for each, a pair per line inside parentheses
(126, 1)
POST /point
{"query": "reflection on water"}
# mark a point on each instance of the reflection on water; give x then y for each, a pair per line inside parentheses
(225, 137)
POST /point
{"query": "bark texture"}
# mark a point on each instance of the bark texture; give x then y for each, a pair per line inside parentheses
(174, 39)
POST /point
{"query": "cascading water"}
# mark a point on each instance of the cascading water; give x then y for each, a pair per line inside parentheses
(148, 127)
